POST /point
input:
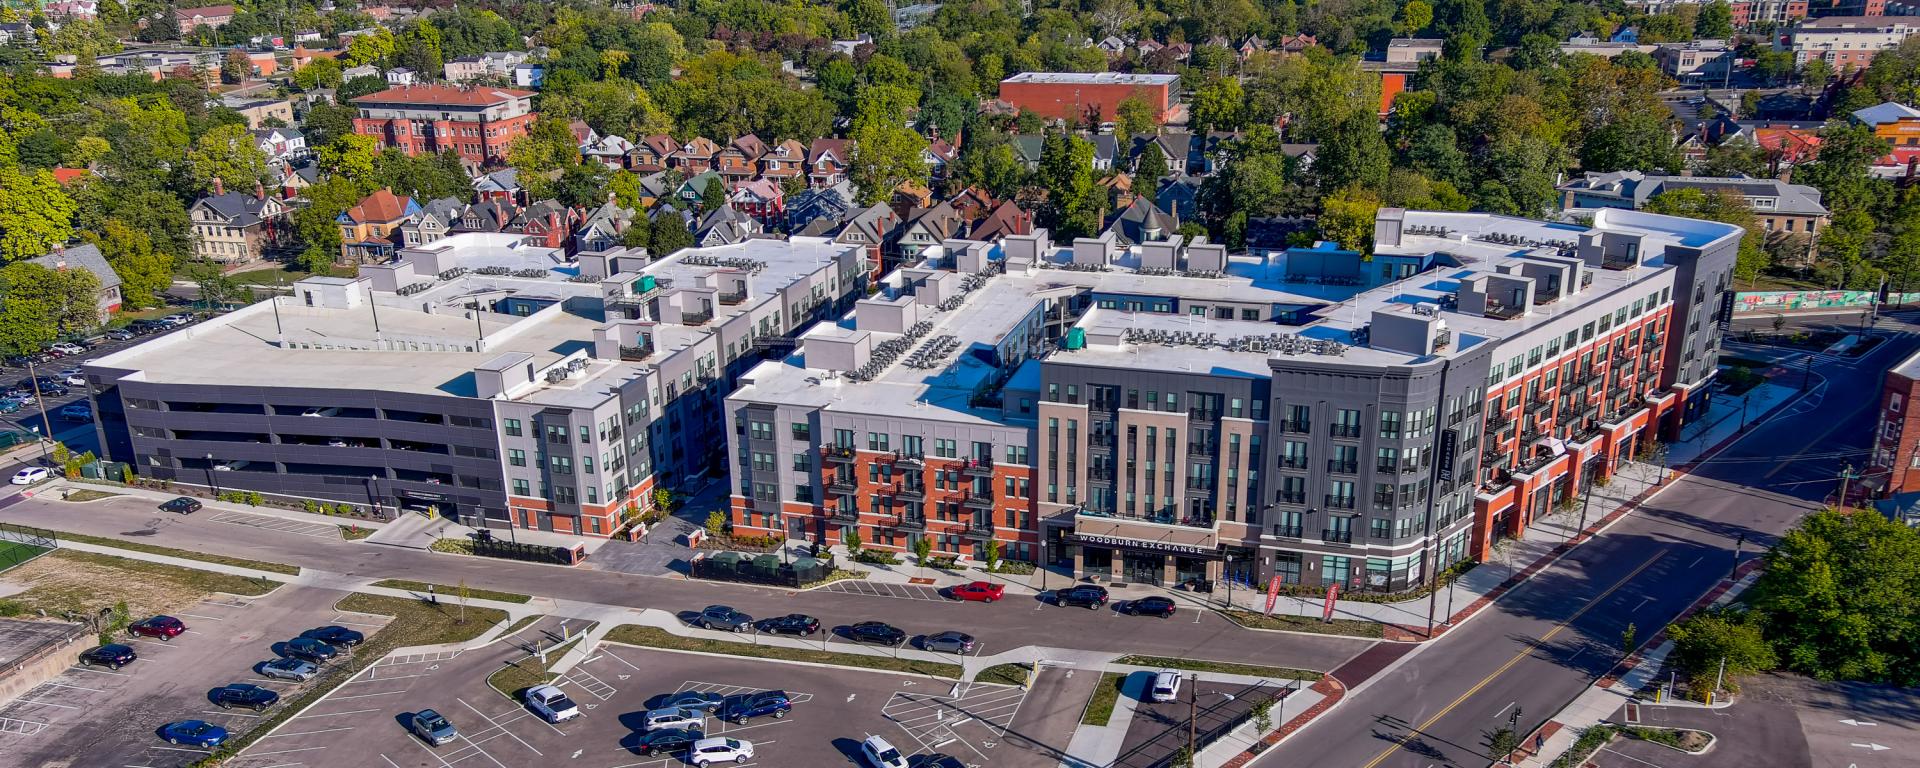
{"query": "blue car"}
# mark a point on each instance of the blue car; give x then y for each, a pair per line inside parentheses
(740, 708)
(194, 733)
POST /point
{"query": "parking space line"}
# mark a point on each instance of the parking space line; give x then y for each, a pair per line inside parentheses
(382, 679)
(503, 729)
(45, 703)
(337, 714)
(251, 753)
(198, 616)
(75, 687)
(184, 749)
(228, 713)
(305, 733)
(78, 668)
(337, 620)
(363, 695)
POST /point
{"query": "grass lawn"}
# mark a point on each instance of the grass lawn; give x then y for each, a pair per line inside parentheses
(89, 494)
(1354, 627)
(1004, 674)
(452, 594)
(277, 275)
(184, 554)
(654, 637)
(354, 532)
(528, 672)
(414, 623)
(1196, 665)
(13, 553)
(84, 582)
(1105, 694)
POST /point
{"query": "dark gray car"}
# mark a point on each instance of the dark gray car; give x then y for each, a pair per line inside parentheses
(725, 618)
(949, 642)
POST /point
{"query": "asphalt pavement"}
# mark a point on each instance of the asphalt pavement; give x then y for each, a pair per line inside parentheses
(1537, 648)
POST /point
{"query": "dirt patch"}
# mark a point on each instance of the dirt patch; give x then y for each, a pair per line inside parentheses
(65, 581)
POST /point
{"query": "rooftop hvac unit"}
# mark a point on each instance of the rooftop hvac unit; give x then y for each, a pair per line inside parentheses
(1076, 338)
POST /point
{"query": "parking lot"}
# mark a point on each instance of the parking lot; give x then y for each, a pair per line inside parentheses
(834, 709)
(76, 434)
(100, 716)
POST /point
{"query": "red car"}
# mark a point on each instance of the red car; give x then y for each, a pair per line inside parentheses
(163, 627)
(982, 591)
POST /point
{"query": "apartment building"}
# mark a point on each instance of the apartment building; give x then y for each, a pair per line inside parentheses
(1165, 412)
(479, 123)
(1079, 96)
(475, 377)
(1779, 207)
(1846, 42)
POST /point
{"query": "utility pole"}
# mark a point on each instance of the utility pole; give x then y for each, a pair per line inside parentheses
(1193, 716)
(1737, 543)
(1846, 475)
(46, 423)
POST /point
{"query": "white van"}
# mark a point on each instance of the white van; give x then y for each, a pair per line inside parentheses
(1166, 686)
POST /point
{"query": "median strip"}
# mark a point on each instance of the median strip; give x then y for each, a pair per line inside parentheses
(1221, 667)
(184, 554)
(655, 637)
(449, 593)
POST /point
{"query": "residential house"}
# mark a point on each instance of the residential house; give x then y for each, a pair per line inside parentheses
(1179, 196)
(1027, 148)
(609, 151)
(972, 203)
(88, 257)
(690, 193)
(259, 111)
(724, 226)
(910, 195)
(1119, 189)
(938, 155)
(283, 144)
(1896, 123)
(400, 76)
(827, 162)
(760, 198)
(295, 179)
(547, 224)
(695, 157)
(603, 228)
(211, 16)
(437, 219)
(1295, 44)
(876, 229)
(490, 215)
(529, 75)
(784, 161)
(370, 231)
(464, 69)
(1254, 44)
(1111, 46)
(741, 159)
(829, 206)
(1006, 219)
(478, 123)
(503, 184)
(351, 74)
(237, 227)
(1301, 154)
(1413, 50)
(848, 47)
(1141, 222)
(924, 228)
(13, 32)
(1783, 210)
(655, 187)
(583, 134)
(650, 154)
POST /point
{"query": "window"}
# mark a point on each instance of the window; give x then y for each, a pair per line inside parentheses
(563, 495)
(802, 430)
(520, 487)
(910, 445)
(556, 434)
(512, 427)
(760, 430)
(516, 457)
(877, 441)
(560, 465)
(1390, 425)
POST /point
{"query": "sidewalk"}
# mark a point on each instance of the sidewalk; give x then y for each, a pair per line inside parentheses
(210, 506)
(907, 572)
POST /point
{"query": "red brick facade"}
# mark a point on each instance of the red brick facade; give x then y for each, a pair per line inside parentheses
(1074, 100)
(1896, 441)
(477, 123)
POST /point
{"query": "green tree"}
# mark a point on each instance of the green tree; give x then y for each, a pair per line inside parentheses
(1218, 105)
(215, 285)
(549, 146)
(316, 226)
(1149, 167)
(1629, 638)
(712, 195)
(1072, 207)
(1735, 158)
(144, 273)
(625, 187)
(320, 73)
(1840, 598)
(235, 66)
(228, 153)
(1135, 116)
(1815, 74)
(922, 549)
(35, 214)
(1704, 640)
(1415, 16)
(352, 159)
(1354, 153)
(375, 47)
(669, 235)
(38, 305)
(1347, 218)
(1725, 207)
(1715, 21)
(716, 523)
(989, 164)
(850, 537)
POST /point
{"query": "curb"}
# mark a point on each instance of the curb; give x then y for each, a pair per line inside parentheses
(816, 664)
(1333, 691)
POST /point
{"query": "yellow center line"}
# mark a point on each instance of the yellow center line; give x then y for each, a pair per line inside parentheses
(1515, 660)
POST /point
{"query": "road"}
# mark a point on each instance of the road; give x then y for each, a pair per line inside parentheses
(78, 436)
(1000, 626)
(1537, 648)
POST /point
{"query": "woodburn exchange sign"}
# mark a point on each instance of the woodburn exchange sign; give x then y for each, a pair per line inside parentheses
(1145, 545)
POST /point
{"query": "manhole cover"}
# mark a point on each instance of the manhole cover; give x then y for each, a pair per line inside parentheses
(141, 532)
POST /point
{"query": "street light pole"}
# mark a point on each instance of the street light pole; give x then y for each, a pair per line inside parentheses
(46, 422)
(212, 484)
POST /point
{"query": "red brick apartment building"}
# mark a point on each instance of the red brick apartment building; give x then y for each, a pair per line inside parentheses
(477, 122)
(1896, 443)
(1083, 95)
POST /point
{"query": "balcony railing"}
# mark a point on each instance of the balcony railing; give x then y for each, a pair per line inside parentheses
(1339, 502)
(1301, 427)
(1504, 312)
(1344, 430)
(837, 454)
(695, 318)
(843, 514)
(842, 485)
(733, 298)
(1293, 497)
(979, 468)
(978, 501)
(636, 354)
(1348, 467)
(911, 492)
(1285, 531)
(910, 522)
(1336, 536)
(980, 529)
(1293, 462)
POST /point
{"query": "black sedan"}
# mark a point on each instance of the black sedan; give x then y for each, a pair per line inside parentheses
(949, 641)
(1146, 606)
(252, 697)
(180, 505)
(725, 618)
(666, 741)
(1085, 595)
(309, 649)
(110, 655)
(790, 624)
(338, 637)
(877, 632)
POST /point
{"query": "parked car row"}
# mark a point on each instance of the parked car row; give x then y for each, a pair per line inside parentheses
(678, 724)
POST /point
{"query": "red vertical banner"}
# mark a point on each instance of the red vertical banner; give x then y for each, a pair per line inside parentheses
(1273, 592)
(1333, 593)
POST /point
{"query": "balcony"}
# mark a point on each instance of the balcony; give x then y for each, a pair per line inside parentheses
(1293, 462)
(910, 523)
(1540, 408)
(1293, 497)
(736, 297)
(1298, 427)
(1337, 536)
(980, 530)
(911, 492)
(843, 514)
(1285, 531)
(1202, 450)
(695, 318)
(978, 501)
(1344, 430)
(635, 299)
(1617, 262)
(842, 485)
(1383, 500)
(1347, 467)
(978, 468)
(1339, 502)
(837, 454)
(1499, 420)
(636, 354)
(1409, 466)
(1504, 312)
